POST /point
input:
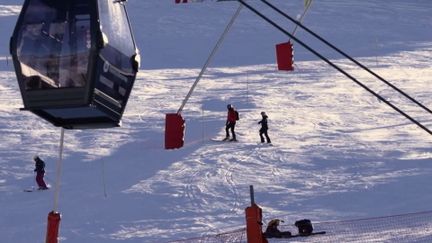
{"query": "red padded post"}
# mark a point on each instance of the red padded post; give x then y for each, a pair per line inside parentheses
(285, 56)
(174, 131)
(53, 227)
(254, 224)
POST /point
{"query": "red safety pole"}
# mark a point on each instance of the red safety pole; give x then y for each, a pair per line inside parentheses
(174, 131)
(53, 227)
(254, 222)
(285, 56)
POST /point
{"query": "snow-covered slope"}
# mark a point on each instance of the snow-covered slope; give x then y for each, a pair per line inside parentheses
(338, 153)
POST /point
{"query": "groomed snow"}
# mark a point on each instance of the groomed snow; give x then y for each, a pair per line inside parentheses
(338, 153)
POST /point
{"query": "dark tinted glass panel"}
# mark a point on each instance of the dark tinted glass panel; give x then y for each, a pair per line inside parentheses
(53, 44)
(116, 30)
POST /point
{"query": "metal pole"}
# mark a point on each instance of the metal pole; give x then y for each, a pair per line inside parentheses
(252, 196)
(247, 88)
(202, 124)
(103, 178)
(59, 165)
(216, 47)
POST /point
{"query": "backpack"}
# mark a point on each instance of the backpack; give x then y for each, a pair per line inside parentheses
(237, 115)
(304, 227)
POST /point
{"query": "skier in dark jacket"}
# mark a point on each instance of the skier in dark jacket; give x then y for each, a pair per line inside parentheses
(264, 128)
(230, 123)
(40, 172)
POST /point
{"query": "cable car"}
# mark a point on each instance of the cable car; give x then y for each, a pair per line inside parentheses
(75, 61)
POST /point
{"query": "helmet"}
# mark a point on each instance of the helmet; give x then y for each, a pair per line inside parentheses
(36, 157)
(229, 106)
(263, 113)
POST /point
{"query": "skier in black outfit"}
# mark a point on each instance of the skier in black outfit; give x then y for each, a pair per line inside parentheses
(40, 172)
(264, 128)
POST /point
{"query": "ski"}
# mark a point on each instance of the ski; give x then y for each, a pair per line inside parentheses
(29, 189)
(311, 234)
(265, 144)
(34, 189)
(223, 140)
(297, 235)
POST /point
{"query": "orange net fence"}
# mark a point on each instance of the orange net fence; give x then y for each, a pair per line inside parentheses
(413, 227)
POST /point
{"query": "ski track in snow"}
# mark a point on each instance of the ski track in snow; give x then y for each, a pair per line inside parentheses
(315, 154)
(309, 159)
(312, 173)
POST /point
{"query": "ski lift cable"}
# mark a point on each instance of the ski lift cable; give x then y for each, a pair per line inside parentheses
(298, 23)
(210, 57)
(335, 66)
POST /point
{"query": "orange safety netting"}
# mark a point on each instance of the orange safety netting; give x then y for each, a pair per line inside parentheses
(413, 227)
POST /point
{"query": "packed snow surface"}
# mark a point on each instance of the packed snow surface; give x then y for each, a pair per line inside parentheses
(338, 152)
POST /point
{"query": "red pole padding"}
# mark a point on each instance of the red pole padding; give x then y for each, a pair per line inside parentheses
(254, 225)
(174, 131)
(53, 227)
(285, 56)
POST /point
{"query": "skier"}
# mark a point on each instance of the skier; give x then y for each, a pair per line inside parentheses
(232, 117)
(264, 128)
(40, 172)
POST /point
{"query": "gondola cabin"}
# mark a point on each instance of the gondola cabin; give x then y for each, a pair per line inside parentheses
(75, 61)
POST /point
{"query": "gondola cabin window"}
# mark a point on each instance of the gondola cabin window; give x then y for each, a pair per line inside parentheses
(116, 30)
(53, 46)
(117, 52)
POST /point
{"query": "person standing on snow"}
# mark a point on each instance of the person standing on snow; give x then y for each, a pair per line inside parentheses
(264, 128)
(232, 117)
(40, 172)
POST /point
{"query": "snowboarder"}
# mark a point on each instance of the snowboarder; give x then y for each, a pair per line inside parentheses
(264, 128)
(232, 117)
(40, 172)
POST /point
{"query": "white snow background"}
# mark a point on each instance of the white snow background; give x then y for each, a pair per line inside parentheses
(338, 153)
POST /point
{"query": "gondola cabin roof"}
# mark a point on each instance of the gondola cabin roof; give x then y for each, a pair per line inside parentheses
(75, 61)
